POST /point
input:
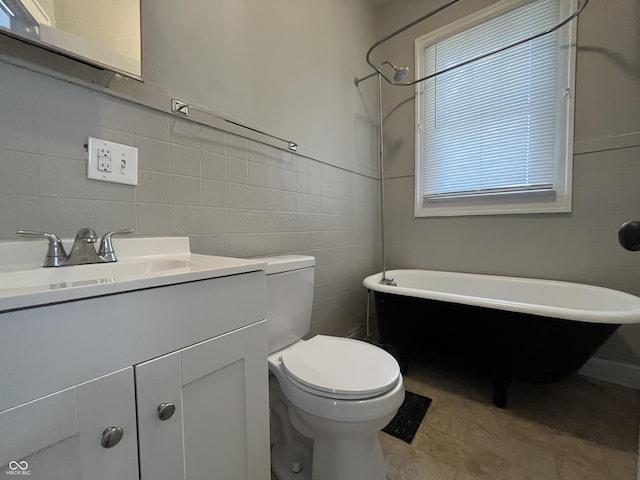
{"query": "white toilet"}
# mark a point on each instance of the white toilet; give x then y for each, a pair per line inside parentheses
(329, 396)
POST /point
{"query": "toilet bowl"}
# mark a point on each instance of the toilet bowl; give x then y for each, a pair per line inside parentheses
(342, 422)
(329, 396)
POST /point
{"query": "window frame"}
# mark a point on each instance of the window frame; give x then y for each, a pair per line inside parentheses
(556, 201)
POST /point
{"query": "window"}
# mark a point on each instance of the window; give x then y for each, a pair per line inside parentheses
(5, 19)
(5, 15)
(496, 136)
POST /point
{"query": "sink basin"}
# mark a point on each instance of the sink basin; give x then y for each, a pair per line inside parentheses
(65, 277)
(142, 263)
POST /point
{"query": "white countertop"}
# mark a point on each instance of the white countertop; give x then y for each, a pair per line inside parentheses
(143, 262)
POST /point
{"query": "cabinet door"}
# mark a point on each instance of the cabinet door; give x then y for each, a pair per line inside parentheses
(59, 437)
(218, 390)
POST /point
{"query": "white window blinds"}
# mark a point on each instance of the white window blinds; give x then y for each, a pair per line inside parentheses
(491, 127)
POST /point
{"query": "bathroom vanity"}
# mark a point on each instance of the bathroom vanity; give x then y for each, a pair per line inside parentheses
(153, 367)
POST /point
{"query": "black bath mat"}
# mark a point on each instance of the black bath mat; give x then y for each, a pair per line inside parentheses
(406, 422)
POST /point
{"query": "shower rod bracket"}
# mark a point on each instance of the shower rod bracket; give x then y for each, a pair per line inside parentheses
(183, 109)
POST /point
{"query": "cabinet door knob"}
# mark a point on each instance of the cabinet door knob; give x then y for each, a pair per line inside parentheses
(111, 436)
(166, 411)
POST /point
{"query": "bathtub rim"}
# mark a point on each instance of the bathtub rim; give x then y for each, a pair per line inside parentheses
(620, 317)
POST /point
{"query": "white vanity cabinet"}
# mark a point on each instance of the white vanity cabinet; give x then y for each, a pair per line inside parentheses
(59, 436)
(180, 369)
(207, 395)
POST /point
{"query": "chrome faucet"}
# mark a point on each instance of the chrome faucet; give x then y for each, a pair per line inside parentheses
(83, 250)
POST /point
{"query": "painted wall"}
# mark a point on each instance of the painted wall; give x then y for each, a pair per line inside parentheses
(580, 246)
(288, 69)
(283, 65)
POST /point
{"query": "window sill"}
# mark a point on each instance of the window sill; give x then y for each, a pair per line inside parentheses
(495, 205)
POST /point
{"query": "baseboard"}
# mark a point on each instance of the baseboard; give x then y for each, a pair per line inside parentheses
(615, 372)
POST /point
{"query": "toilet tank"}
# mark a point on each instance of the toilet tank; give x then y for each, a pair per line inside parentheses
(289, 298)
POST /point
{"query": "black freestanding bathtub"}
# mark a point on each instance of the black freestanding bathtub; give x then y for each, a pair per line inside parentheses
(533, 330)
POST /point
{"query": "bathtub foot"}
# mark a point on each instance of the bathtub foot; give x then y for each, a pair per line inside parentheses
(500, 392)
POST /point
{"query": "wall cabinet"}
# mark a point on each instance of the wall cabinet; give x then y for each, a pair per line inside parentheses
(185, 409)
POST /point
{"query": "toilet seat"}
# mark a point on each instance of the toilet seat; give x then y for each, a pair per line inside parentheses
(339, 368)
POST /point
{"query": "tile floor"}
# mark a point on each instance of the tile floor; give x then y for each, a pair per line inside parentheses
(578, 429)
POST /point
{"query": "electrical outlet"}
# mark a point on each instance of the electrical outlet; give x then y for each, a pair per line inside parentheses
(112, 162)
(104, 160)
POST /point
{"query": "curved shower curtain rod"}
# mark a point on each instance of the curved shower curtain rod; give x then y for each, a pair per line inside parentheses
(400, 73)
(378, 68)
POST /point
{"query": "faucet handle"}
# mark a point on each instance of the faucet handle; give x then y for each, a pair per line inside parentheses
(56, 255)
(106, 247)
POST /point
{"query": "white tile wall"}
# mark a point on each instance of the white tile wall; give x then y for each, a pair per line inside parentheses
(231, 196)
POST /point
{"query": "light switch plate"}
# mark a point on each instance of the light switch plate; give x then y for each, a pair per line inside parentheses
(112, 162)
